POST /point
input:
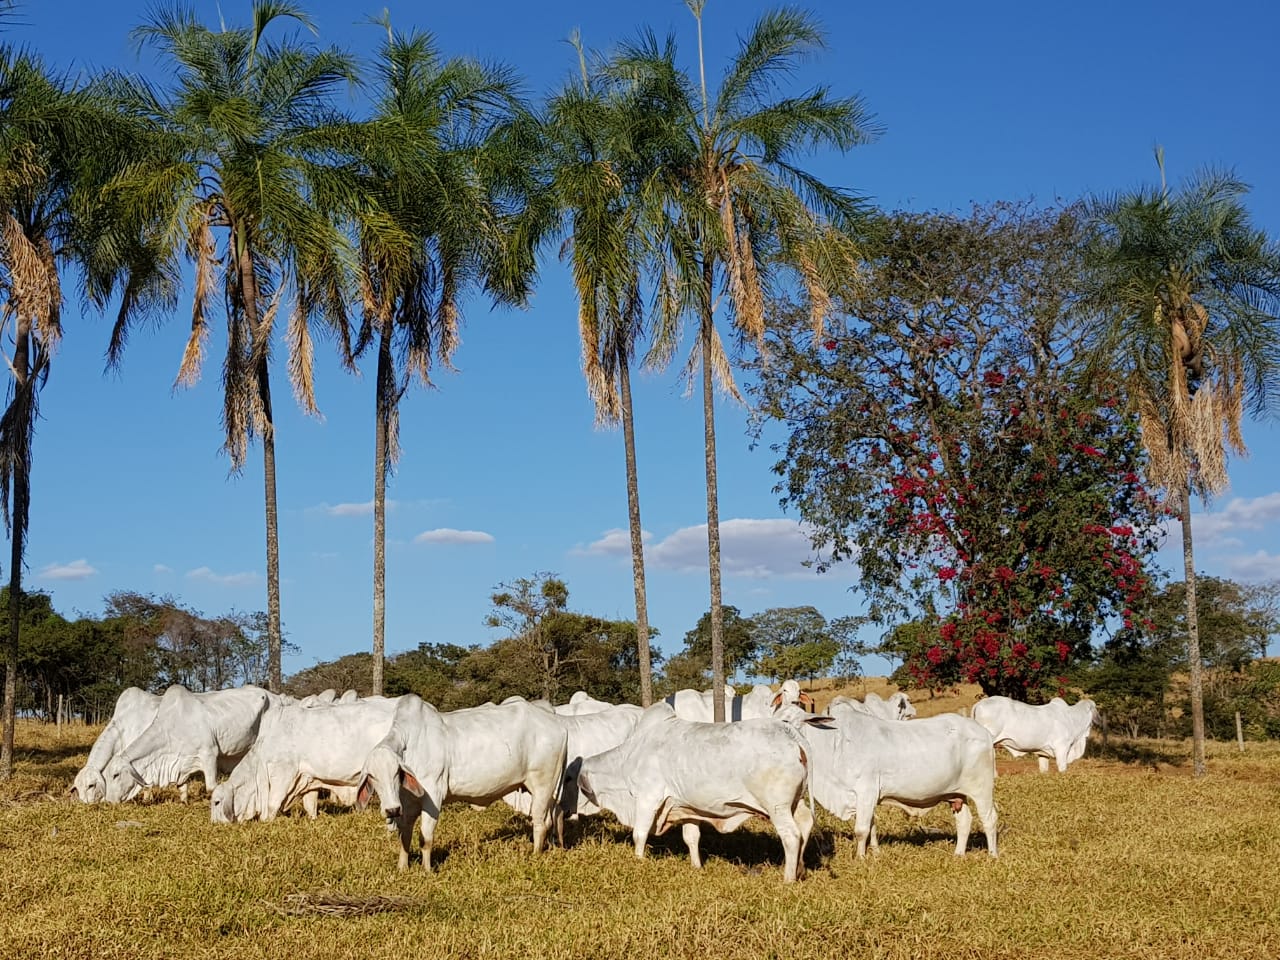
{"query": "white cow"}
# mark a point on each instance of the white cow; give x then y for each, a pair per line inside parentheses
(860, 761)
(135, 709)
(1052, 731)
(761, 701)
(191, 733)
(672, 771)
(348, 696)
(475, 755)
(585, 736)
(300, 750)
(698, 704)
(897, 707)
(324, 696)
(581, 703)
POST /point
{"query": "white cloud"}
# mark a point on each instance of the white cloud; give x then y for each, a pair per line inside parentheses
(1238, 514)
(350, 509)
(1255, 567)
(225, 579)
(612, 543)
(161, 569)
(751, 548)
(75, 570)
(449, 535)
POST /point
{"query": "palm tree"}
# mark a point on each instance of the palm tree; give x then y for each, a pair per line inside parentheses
(54, 141)
(430, 226)
(242, 146)
(606, 141)
(740, 210)
(1188, 298)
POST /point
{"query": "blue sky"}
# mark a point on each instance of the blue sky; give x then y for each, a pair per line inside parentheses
(503, 474)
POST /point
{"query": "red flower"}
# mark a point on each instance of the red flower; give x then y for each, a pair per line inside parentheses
(993, 379)
(934, 655)
(947, 573)
(1063, 650)
(829, 344)
(1019, 650)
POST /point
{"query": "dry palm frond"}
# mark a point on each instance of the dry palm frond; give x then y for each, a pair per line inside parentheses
(302, 359)
(819, 298)
(202, 251)
(34, 292)
(721, 370)
(600, 388)
(331, 904)
(744, 283)
(1205, 434)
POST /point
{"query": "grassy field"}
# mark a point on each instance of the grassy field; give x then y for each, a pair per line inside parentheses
(1123, 856)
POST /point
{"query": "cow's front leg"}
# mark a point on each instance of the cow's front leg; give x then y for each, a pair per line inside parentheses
(692, 834)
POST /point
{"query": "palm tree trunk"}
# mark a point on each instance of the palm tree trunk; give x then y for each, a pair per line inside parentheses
(384, 386)
(262, 380)
(1193, 642)
(713, 501)
(637, 540)
(18, 518)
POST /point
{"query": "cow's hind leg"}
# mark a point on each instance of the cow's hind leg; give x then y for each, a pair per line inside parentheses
(544, 808)
(692, 834)
(964, 824)
(804, 820)
(790, 834)
(990, 820)
(863, 825)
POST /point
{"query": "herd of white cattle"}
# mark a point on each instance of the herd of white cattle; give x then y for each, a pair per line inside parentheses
(652, 769)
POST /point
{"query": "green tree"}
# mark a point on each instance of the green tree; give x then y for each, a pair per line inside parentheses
(738, 640)
(793, 642)
(244, 145)
(936, 437)
(431, 227)
(739, 209)
(1187, 297)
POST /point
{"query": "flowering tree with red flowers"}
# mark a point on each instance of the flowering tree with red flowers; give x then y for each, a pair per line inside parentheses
(935, 439)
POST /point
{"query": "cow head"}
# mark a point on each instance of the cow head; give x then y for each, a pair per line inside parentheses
(906, 709)
(88, 786)
(222, 803)
(385, 775)
(121, 781)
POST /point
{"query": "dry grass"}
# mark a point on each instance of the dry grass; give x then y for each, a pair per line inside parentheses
(1123, 856)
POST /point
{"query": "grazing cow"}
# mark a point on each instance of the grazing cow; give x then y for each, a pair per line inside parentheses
(300, 750)
(698, 704)
(581, 703)
(860, 761)
(135, 709)
(585, 736)
(897, 707)
(672, 771)
(191, 733)
(1052, 731)
(349, 696)
(475, 755)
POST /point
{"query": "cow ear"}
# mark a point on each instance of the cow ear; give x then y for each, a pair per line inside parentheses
(137, 777)
(776, 701)
(411, 782)
(807, 701)
(362, 795)
(72, 791)
(821, 722)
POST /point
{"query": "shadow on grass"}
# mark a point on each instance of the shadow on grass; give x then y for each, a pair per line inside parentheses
(1139, 752)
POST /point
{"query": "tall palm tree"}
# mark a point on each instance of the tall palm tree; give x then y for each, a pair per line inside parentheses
(606, 140)
(741, 212)
(238, 177)
(1188, 298)
(430, 226)
(54, 144)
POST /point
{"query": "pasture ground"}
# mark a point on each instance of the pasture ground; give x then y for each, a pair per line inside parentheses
(1124, 856)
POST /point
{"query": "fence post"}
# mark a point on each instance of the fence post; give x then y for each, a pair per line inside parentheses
(1239, 732)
